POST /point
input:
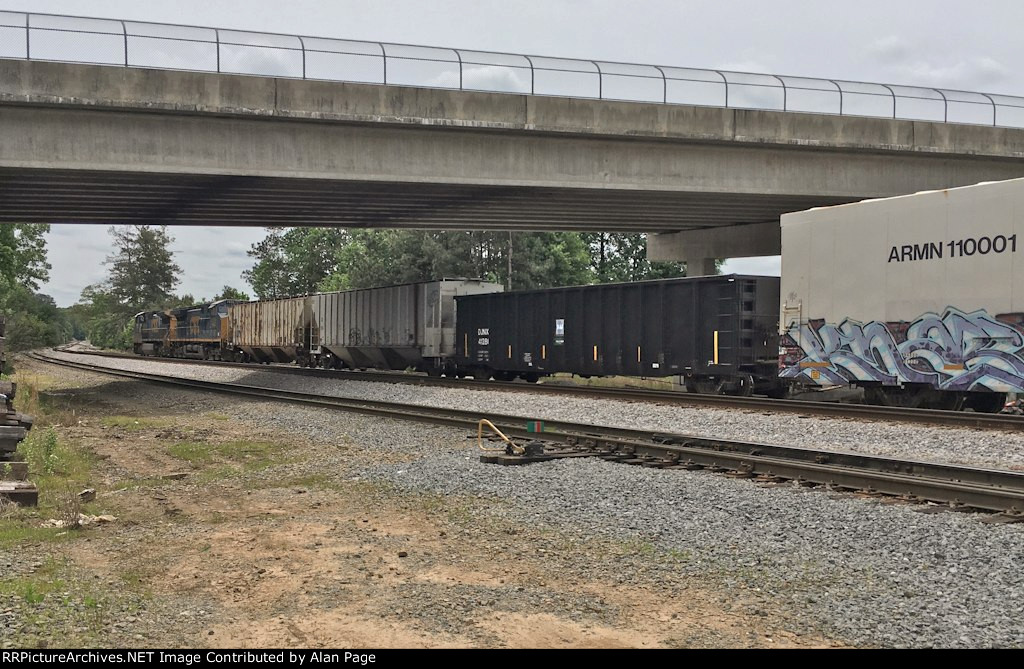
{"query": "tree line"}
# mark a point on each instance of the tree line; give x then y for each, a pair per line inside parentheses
(297, 261)
(142, 274)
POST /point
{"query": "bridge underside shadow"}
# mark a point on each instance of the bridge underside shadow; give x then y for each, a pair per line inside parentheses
(79, 196)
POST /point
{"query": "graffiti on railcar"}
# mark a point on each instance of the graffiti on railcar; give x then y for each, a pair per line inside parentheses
(955, 351)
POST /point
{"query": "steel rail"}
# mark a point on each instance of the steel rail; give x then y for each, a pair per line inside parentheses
(990, 489)
(819, 408)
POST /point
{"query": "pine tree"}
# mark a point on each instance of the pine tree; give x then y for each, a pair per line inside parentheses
(143, 273)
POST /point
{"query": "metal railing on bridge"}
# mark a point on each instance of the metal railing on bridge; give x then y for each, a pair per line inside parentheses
(49, 37)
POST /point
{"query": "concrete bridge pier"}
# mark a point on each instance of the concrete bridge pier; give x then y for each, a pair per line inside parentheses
(700, 248)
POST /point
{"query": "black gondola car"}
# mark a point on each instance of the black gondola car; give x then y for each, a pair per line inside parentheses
(718, 332)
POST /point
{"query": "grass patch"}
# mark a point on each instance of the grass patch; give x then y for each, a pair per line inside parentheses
(217, 416)
(59, 467)
(139, 484)
(36, 398)
(195, 452)
(219, 461)
(18, 533)
(133, 423)
(54, 462)
(34, 588)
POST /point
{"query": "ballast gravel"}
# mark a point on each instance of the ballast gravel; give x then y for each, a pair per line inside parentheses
(867, 572)
(984, 448)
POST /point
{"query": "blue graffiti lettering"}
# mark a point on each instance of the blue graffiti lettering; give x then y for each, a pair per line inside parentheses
(956, 351)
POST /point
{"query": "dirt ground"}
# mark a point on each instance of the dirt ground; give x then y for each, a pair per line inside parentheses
(226, 537)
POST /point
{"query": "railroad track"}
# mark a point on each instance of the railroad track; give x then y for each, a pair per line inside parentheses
(954, 485)
(804, 407)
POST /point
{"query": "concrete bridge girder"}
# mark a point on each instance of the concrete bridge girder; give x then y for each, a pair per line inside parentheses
(108, 144)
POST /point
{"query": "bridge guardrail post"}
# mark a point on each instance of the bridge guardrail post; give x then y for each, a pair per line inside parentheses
(893, 93)
(840, 89)
(532, 78)
(993, 107)
(124, 29)
(664, 85)
(726, 82)
(945, 106)
(785, 93)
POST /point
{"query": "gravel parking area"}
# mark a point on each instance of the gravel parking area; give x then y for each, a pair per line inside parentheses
(985, 448)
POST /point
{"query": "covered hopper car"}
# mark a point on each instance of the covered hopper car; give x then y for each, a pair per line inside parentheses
(394, 327)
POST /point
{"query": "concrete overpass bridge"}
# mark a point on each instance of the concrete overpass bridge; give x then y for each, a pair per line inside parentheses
(110, 144)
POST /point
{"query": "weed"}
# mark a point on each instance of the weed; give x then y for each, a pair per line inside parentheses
(31, 595)
(40, 450)
(8, 509)
(69, 508)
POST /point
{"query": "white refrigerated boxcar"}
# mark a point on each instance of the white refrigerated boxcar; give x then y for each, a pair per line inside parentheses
(918, 299)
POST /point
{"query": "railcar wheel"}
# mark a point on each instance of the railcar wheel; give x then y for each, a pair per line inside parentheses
(531, 377)
(482, 374)
(743, 386)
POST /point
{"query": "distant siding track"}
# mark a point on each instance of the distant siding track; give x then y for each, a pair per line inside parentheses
(806, 407)
(916, 481)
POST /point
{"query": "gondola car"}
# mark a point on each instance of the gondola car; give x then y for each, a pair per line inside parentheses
(719, 333)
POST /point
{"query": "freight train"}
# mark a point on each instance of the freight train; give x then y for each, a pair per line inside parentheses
(915, 299)
(729, 345)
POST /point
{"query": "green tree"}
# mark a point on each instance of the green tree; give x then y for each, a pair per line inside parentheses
(293, 261)
(229, 293)
(109, 323)
(33, 319)
(384, 257)
(617, 256)
(142, 271)
(23, 255)
(142, 276)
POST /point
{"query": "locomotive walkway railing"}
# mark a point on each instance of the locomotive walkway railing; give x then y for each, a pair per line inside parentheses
(49, 37)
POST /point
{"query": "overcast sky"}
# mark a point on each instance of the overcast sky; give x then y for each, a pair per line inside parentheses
(974, 46)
